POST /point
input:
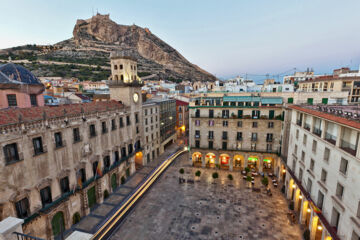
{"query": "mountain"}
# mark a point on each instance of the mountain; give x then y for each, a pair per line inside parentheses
(88, 52)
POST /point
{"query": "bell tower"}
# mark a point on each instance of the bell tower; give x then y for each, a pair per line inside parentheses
(124, 84)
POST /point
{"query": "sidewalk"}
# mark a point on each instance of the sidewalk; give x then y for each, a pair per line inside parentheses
(92, 222)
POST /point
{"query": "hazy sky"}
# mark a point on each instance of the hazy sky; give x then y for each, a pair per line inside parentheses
(224, 37)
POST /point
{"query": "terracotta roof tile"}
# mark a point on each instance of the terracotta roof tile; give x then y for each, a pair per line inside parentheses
(331, 117)
(13, 115)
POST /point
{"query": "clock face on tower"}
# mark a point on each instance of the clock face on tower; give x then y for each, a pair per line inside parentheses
(136, 97)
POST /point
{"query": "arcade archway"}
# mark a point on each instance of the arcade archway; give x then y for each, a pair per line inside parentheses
(224, 161)
(210, 160)
(197, 159)
(238, 162)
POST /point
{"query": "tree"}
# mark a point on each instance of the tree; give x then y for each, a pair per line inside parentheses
(230, 177)
(265, 181)
(247, 169)
(215, 175)
(181, 171)
(198, 173)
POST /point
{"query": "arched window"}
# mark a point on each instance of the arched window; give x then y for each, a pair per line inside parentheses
(115, 67)
(116, 77)
(122, 77)
(121, 66)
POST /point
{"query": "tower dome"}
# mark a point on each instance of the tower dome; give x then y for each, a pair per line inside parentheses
(19, 73)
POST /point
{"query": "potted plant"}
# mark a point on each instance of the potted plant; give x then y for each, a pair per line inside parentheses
(248, 179)
(265, 181)
(230, 177)
(247, 170)
(198, 173)
(181, 171)
(215, 175)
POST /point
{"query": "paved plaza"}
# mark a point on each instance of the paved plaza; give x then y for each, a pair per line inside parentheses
(207, 209)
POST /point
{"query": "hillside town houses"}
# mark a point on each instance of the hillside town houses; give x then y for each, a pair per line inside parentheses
(67, 144)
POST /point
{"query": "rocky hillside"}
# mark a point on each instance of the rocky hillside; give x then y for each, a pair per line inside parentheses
(86, 54)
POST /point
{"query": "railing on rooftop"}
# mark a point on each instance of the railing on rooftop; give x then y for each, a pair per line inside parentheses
(330, 138)
(348, 147)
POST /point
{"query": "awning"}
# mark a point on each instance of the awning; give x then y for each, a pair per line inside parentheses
(273, 100)
(241, 99)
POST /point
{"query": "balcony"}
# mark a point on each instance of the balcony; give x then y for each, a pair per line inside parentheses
(299, 122)
(317, 131)
(197, 136)
(330, 138)
(269, 139)
(210, 137)
(224, 137)
(239, 138)
(254, 139)
(307, 126)
(348, 147)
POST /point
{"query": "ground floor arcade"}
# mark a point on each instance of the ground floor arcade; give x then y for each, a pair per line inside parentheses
(306, 211)
(236, 160)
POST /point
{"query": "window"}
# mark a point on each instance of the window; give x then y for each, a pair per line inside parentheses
(130, 148)
(107, 162)
(11, 153)
(33, 100)
(314, 144)
(64, 185)
(123, 152)
(240, 113)
(11, 98)
(103, 127)
(94, 167)
(312, 164)
(211, 145)
(309, 186)
(180, 117)
(268, 147)
(323, 176)
(302, 156)
(211, 134)
(339, 190)
(225, 113)
(45, 194)
(211, 113)
(76, 135)
(224, 135)
(255, 114)
(22, 208)
(254, 124)
(253, 136)
(146, 121)
(271, 114)
(225, 123)
(58, 139)
(128, 120)
(343, 166)
(320, 200)
(92, 130)
(358, 210)
(224, 145)
(197, 113)
(121, 122)
(304, 139)
(269, 137)
(270, 124)
(197, 133)
(113, 124)
(335, 217)
(82, 174)
(290, 100)
(239, 136)
(295, 150)
(38, 147)
(116, 156)
(239, 123)
(300, 174)
(326, 154)
(197, 122)
(297, 134)
(197, 144)
(253, 146)
(137, 129)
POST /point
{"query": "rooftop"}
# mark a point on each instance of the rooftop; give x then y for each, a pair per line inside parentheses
(342, 114)
(22, 115)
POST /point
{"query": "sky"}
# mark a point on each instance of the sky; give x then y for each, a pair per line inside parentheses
(227, 38)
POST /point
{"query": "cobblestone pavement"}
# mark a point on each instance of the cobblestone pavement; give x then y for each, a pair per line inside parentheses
(207, 209)
(91, 222)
